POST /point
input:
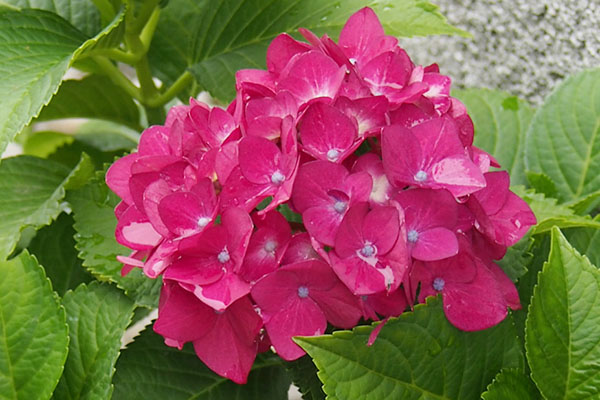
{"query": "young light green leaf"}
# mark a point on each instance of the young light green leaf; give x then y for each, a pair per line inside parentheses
(33, 331)
(585, 205)
(563, 140)
(541, 183)
(42, 144)
(149, 370)
(32, 193)
(97, 315)
(511, 384)
(216, 40)
(563, 326)
(586, 241)
(54, 247)
(37, 49)
(550, 214)
(501, 121)
(92, 97)
(95, 223)
(419, 355)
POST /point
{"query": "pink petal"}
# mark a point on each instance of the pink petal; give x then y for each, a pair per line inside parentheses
(459, 175)
(326, 133)
(118, 175)
(435, 244)
(229, 348)
(153, 194)
(361, 35)
(426, 208)
(401, 153)
(259, 159)
(301, 317)
(135, 231)
(369, 113)
(314, 180)
(222, 293)
(506, 286)
(281, 50)
(160, 258)
(358, 276)
(322, 222)
(299, 249)
(154, 141)
(381, 227)
(311, 75)
(240, 192)
(387, 73)
(513, 221)
(195, 270)
(349, 238)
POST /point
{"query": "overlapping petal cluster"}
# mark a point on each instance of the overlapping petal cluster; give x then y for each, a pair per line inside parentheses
(373, 153)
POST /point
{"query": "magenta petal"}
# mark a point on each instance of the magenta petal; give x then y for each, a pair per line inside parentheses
(513, 221)
(239, 228)
(435, 244)
(312, 75)
(314, 180)
(494, 195)
(222, 293)
(152, 196)
(272, 292)
(358, 276)
(322, 223)
(369, 112)
(381, 227)
(154, 141)
(301, 317)
(195, 270)
(459, 175)
(338, 304)
(230, 347)
(118, 175)
(387, 73)
(181, 316)
(327, 133)
(299, 249)
(259, 159)
(135, 231)
(401, 153)
(349, 238)
(506, 286)
(361, 35)
(160, 258)
(426, 208)
(185, 214)
(281, 50)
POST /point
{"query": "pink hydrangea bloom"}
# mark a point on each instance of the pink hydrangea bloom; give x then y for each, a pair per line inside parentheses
(338, 184)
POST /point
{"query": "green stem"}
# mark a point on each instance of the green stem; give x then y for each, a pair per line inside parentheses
(148, 32)
(107, 12)
(118, 78)
(184, 80)
(145, 13)
(116, 54)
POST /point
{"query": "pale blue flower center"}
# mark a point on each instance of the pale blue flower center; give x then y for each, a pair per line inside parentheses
(333, 154)
(438, 284)
(421, 176)
(277, 178)
(303, 292)
(270, 246)
(413, 236)
(368, 250)
(223, 256)
(340, 206)
(203, 221)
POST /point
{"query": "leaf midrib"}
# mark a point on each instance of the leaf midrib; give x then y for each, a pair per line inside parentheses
(588, 158)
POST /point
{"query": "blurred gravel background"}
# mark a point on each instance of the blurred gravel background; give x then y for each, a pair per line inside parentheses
(525, 47)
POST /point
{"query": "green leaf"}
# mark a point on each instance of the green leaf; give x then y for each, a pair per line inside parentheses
(107, 136)
(563, 327)
(586, 205)
(54, 247)
(42, 144)
(93, 210)
(304, 375)
(148, 369)
(82, 14)
(511, 384)
(32, 192)
(419, 355)
(33, 331)
(97, 314)
(501, 121)
(517, 258)
(216, 39)
(563, 140)
(586, 241)
(92, 97)
(541, 183)
(37, 49)
(549, 213)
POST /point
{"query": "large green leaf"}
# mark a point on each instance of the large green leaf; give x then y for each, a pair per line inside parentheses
(32, 192)
(563, 326)
(95, 223)
(148, 370)
(550, 214)
(33, 332)
(54, 247)
(586, 241)
(97, 315)
(511, 384)
(563, 140)
(36, 50)
(419, 355)
(501, 121)
(92, 97)
(82, 14)
(218, 38)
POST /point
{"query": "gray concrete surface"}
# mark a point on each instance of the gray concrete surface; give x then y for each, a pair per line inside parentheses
(524, 47)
